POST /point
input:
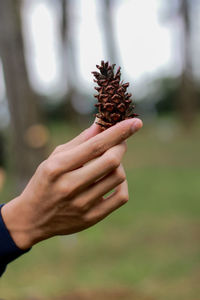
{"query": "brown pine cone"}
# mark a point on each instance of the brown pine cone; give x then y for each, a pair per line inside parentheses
(114, 103)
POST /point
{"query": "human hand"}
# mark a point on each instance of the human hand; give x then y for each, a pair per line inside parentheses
(66, 193)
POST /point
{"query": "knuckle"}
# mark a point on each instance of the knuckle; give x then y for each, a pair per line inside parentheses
(87, 219)
(67, 185)
(112, 160)
(58, 148)
(41, 166)
(97, 148)
(50, 169)
(120, 174)
(66, 189)
(81, 207)
(124, 134)
(124, 197)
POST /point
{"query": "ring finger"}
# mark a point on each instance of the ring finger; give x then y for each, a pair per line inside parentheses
(87, 198)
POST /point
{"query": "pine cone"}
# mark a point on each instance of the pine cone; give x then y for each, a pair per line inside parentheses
(114, 103)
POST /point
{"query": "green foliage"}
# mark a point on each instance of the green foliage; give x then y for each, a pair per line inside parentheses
(163, 93)
(167, 94)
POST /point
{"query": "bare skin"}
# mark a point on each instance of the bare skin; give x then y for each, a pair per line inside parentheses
(66, 193)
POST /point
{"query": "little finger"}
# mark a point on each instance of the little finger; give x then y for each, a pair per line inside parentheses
(118, 198)
(91, 196)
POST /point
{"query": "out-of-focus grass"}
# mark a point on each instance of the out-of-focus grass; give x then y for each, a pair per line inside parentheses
(152, 244)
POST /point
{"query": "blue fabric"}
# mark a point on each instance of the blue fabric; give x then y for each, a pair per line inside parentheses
(8, 249)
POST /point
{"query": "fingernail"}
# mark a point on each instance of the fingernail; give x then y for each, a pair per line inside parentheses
(136, 125)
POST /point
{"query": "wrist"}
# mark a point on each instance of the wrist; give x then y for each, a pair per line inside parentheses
(16, 217)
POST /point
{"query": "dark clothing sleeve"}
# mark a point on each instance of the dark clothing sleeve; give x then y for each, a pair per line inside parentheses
(8, 249)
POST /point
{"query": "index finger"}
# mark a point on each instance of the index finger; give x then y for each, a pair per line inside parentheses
(97, 145)
(111, 137)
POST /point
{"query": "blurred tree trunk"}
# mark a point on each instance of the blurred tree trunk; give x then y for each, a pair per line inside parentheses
(69, 68)
(187, 102)
(22, 100)
(107, 7)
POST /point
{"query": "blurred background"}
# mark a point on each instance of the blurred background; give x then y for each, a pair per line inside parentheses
(150, 248)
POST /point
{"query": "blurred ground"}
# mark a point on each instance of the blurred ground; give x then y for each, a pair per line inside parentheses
(150, 247)
(116, 294)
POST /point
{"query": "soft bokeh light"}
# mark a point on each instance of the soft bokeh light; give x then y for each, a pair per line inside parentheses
(41, 34)
(143, 43)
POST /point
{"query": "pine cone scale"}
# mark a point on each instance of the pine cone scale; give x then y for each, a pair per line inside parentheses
(114, 103)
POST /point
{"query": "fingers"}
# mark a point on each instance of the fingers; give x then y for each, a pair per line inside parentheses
(90, 196)
(97, 145)
(96, 169)
(118, 198)
(93, 130)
